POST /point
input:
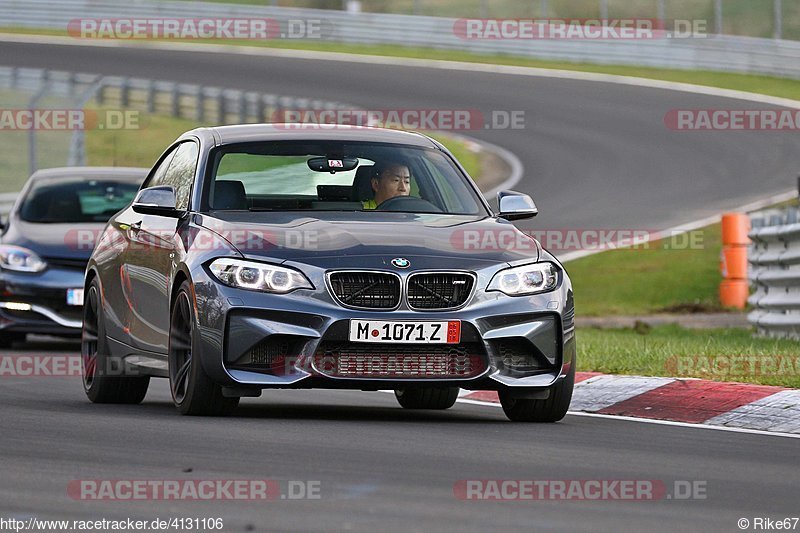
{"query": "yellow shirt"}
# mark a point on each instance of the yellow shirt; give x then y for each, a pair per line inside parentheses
(369, 204)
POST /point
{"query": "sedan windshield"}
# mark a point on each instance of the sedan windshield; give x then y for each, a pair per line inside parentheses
(338, 176)
(76, 200)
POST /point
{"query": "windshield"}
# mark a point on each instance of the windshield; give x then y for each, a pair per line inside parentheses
(76, 200)
(287, 176)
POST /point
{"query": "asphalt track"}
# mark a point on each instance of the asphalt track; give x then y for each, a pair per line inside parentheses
(596, 155)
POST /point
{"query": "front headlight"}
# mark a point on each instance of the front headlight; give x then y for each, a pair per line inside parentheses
(258, 276)
(20, 259)
(526, 279)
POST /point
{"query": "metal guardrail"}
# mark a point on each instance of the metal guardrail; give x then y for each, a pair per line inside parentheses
(181, 100)
(774, 258)
(717, 52)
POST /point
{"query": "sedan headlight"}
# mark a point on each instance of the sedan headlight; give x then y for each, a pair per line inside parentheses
(20, 259)
(258, 276)
(526, 279)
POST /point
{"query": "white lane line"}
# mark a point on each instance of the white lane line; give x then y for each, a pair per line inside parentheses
(659, 422)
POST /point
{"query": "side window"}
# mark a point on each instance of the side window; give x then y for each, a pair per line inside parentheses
(180, 174)
(444, 189)
(157, 177)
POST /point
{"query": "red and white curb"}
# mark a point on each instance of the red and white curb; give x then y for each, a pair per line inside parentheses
(689, 401)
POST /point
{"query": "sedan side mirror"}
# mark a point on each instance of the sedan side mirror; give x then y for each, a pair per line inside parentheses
(158, 201)
(516, 206)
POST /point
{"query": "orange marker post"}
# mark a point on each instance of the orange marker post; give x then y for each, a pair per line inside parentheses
(734, 289)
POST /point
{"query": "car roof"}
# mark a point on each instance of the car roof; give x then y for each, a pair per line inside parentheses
(110, 173)
(311, 132)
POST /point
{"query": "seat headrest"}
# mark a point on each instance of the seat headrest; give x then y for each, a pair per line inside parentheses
(229, 195)
(59, 203)
(362, 183)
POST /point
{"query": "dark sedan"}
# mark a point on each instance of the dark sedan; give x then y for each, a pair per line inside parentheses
(46, 242)
(285, 256)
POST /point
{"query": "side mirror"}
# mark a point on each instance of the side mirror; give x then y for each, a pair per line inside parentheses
(516, 206)
(158, 201)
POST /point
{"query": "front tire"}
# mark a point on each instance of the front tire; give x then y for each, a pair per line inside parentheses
(193, 392)
(552, 409)
(426, 397)
(101, 383)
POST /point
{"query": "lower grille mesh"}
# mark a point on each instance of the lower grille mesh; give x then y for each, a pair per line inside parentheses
(269, 352)
(518, 355)
(276, 355)
(355, 360)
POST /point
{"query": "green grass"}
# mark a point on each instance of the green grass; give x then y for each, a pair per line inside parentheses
(769, 85)
(720, 354)
(675, 275)
(662, 276)
(135, 147)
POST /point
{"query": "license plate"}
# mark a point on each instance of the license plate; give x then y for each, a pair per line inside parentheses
(74, 296)
(407, 332)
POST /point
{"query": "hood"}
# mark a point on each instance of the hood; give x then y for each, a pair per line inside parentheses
(371, 239)
(63, 241)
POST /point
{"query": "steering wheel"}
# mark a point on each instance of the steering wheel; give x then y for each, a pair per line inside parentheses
(408, 203)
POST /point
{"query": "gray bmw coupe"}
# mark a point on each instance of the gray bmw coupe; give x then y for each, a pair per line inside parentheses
(311, 256)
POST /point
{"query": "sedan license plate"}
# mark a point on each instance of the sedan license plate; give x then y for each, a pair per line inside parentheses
(408, 332)
(74, 296)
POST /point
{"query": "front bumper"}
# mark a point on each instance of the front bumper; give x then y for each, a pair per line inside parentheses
(37, 302)
(235, 323)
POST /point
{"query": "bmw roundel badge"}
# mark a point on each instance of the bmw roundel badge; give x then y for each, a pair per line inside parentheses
(401, 262)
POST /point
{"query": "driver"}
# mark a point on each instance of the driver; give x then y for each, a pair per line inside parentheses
(390, 179)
